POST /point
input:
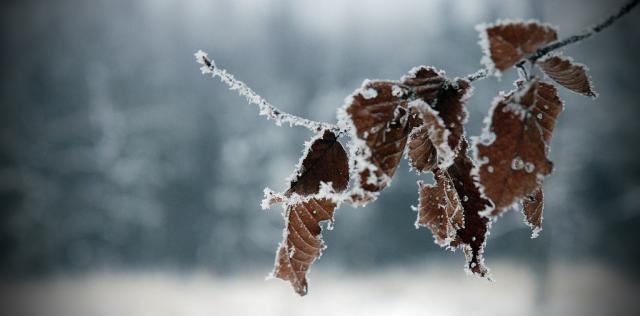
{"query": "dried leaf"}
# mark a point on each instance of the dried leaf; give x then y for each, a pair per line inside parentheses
(428, 143)
(421, 152)
(472, 237)
(382, 120)
(302, 243)
(513, 164)
(450, 107)
(568, 73)
(324, 161)
(506, 43)
(532, 206)
(438, 138)
(440, 209)
(424, 82)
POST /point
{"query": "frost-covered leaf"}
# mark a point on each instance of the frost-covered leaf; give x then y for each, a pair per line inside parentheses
(506, 42)
(440, 209)
(513, 164)
(438, 138)
(382, 122)
(428, 143)
(421, 152)
(325, 160)
(302, 243)
(450, 106)
(309, 201)
(472, 237)
(568, 73)
(532, 207)
(424, 82)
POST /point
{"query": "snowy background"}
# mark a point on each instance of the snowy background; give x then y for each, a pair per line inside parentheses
(130, 184)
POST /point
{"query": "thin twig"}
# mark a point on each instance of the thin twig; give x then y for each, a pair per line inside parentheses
(266, 108)
(478, 75)
(585, 34)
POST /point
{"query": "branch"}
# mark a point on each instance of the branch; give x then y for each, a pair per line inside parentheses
(584, 35)
(266, 108)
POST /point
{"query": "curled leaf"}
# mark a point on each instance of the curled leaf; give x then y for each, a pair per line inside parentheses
(522, 122)
(450, 106)
(302, 243)
(440, 209)
(428, 143)
(382, 123)
(307, 203)
(506, 43)
(472, 236)
(532, 207)
(568, 73)
(439, 136)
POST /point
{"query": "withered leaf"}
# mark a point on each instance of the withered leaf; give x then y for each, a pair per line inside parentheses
(513, 164)
(438, 138)
(428, 143)
(302, 243)
(325, 161)
(532, 207)
(440, 209)
(424, 82)
(569, 74)
(506, 43)
(450, 106)
(382, 121)
(472, 237)
(421, 152)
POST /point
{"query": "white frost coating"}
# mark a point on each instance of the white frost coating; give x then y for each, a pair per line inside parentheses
(574, 63)
(483, 41)
(412, 73)
(266, 108)
(271, 197)
(396, 91)
(529, 167)
(369, 93)
(517, 163)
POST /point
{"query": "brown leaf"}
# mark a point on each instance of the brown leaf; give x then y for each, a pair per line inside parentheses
(440, 209)
(506, 43)
(325, 161)
(382, 120)
(532, 206)
(472, 237)
(569, 74)
(424, 82)
(428, 143)
(515, 160)
(450, 106)
(421, 152)
(302, 243)
(442, 126)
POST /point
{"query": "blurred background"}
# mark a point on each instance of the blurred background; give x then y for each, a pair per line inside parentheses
(130, 184)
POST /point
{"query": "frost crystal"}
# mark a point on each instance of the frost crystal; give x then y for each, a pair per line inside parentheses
(517, 163)
(369, 93)
(266, 108)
